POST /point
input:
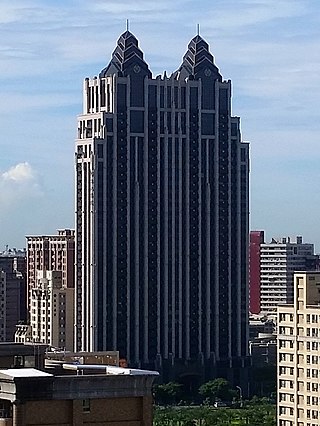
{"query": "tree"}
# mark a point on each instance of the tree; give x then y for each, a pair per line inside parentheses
(217, 389)
(207, 416)
(167, 393)
(257, 415)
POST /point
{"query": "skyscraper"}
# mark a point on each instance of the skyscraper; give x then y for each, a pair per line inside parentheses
(161, 214)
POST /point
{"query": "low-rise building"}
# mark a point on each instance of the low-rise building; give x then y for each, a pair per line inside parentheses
(23, 333)
(263, 350)
(100, 395)
(14, 355)
(260, 324)
(85, 389)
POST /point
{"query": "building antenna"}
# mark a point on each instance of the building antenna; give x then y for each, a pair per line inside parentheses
(198, 29)
(127, 24)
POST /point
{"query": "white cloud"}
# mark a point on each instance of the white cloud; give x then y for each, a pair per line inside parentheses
(19, 186)
(19, 173)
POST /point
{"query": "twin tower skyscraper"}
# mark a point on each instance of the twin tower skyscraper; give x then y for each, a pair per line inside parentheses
(162, 210)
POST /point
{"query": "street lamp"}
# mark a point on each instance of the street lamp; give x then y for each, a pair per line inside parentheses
(240, 395)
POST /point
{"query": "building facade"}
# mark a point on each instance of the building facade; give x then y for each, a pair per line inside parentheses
(298, 354)
(52, 311)
(51, 253)
(161, 214)
(13, 292)
(255, 241)
(272, 266)
(3, 288)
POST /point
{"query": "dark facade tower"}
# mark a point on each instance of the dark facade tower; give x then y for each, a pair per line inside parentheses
(162, 214)
(13, 295)
(256, 239)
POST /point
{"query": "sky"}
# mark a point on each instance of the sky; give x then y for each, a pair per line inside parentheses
(270, 49)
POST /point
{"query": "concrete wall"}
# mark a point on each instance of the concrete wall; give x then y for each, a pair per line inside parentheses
(132, 411)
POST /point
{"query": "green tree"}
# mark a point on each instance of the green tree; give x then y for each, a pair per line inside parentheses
(207, 416)
(226, 416)
(257, 415)
(167, 393)
(217, 389)
(213, 417)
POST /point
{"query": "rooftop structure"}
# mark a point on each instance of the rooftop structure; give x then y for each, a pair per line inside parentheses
(13, 252)
(17, 355)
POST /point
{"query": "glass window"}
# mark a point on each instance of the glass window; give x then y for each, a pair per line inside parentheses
(86, 405)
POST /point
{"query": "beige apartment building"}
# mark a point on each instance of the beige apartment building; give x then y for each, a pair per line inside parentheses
(299, 354)
(51, 253)
(52, 310)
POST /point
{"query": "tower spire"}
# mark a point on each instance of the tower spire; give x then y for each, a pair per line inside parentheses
(198, 60)
(126, 52)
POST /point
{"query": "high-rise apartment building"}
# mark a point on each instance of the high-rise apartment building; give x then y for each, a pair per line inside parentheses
(162, 214)
(52, 313)
(51, 253)
(271, 269)
(298, 354)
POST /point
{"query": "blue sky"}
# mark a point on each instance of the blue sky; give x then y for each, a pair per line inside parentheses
(268, 48)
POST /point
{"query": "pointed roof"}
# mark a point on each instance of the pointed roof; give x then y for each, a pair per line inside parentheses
(126, 55)
(198, 62)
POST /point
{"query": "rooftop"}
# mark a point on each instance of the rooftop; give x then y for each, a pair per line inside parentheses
(85, 382)
(109, 370)
(13, 373)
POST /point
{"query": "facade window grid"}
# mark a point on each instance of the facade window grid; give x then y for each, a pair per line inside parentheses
(308, 354)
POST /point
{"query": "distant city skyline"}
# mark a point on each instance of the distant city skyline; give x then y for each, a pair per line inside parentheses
(269, 49)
